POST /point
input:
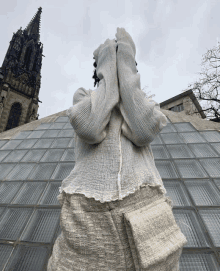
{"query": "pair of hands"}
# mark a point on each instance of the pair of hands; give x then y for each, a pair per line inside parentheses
(121, 35)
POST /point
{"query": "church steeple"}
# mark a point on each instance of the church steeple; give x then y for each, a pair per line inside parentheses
(20, 77)
(33, 28)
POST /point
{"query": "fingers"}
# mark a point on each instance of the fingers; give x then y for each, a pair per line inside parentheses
(121, 32)
(123, 36)
(108, 43)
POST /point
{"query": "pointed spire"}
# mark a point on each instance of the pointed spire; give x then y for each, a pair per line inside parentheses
(34, 25)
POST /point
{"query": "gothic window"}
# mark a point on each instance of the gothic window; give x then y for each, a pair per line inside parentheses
(14, 116)
(27, 57)
(16, 46)
(37, 64)
(177, 108)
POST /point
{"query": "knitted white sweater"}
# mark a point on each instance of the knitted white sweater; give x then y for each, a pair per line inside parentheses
(114, 126)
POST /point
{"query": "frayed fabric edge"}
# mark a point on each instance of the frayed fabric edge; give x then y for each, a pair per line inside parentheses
(159, 187)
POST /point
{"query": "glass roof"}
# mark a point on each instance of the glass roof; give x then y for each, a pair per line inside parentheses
(34, 163)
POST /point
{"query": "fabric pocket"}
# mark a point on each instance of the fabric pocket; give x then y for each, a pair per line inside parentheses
(154, 236)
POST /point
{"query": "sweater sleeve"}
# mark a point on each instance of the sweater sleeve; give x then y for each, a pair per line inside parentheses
(143, 119)
(91, 110)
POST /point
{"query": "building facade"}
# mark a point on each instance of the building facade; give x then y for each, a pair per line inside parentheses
(20, 77)
(186, 103)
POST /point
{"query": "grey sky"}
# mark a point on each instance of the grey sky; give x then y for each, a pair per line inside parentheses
(170, 37)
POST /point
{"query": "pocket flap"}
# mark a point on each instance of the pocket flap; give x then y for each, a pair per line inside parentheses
(155, 232)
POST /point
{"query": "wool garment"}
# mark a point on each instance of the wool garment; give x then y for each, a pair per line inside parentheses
(135, 233)
(114, 126)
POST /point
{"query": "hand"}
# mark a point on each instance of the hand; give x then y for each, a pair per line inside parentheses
(108, 43)
(123, 36)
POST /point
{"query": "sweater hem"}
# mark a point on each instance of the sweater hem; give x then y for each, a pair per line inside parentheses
(104, 199)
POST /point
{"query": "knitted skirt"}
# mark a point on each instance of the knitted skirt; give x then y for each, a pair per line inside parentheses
(117, 235)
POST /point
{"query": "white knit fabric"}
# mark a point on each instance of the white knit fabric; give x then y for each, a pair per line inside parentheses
(114, 126)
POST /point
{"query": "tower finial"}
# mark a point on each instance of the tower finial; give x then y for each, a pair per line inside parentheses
(34, 25)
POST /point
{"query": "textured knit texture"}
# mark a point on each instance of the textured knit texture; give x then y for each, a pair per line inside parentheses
(94, 236)
(114, 126)
(154, 236)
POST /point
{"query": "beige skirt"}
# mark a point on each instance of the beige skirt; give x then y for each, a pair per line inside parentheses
(136, 233)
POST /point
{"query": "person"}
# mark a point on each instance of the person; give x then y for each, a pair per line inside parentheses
(115, 215)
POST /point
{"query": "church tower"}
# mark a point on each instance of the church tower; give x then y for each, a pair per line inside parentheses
(20, 77)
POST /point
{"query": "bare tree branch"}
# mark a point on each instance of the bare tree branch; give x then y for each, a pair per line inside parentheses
(206, 89)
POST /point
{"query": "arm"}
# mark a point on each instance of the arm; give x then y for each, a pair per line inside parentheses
(91, 111)
(143, 119)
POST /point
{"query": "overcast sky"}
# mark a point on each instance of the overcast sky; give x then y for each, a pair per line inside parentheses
(171, 38)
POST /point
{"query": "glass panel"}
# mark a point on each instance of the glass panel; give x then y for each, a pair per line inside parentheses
(72, 143)
(68, 126)
(171, 138)
(29, 193)
(42, 226)
(156, 140)
(3, 154)
(212, 166)
(37, 134)
(51, 193)
(69, 155)
(43, 171)
(67, 133)
(211, 219)
(27, 144)
(13, 222)
(180, 151)
(33, 156)
(26, 257)
(166, 169)
(51, 133)
(62, 119)
(5, 251)
(211, 136)
(44, 126)
(15, 156)
(43, 143)
(190, 169)
(198, 262)
(57, 125)
(216, 147)
(192, 137)
(177, 193)
(22, 135)
(202, 150)
(190, 227)
(5, 169)
(62, 171)
(12, 144)
(2, 209)
(53, 155)
(8, 190)
(203, 193)
(2, 143)
(184, 127)
(169, 128)
(160, 152)
(60, 143)
(217, 182)
(21, 171)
